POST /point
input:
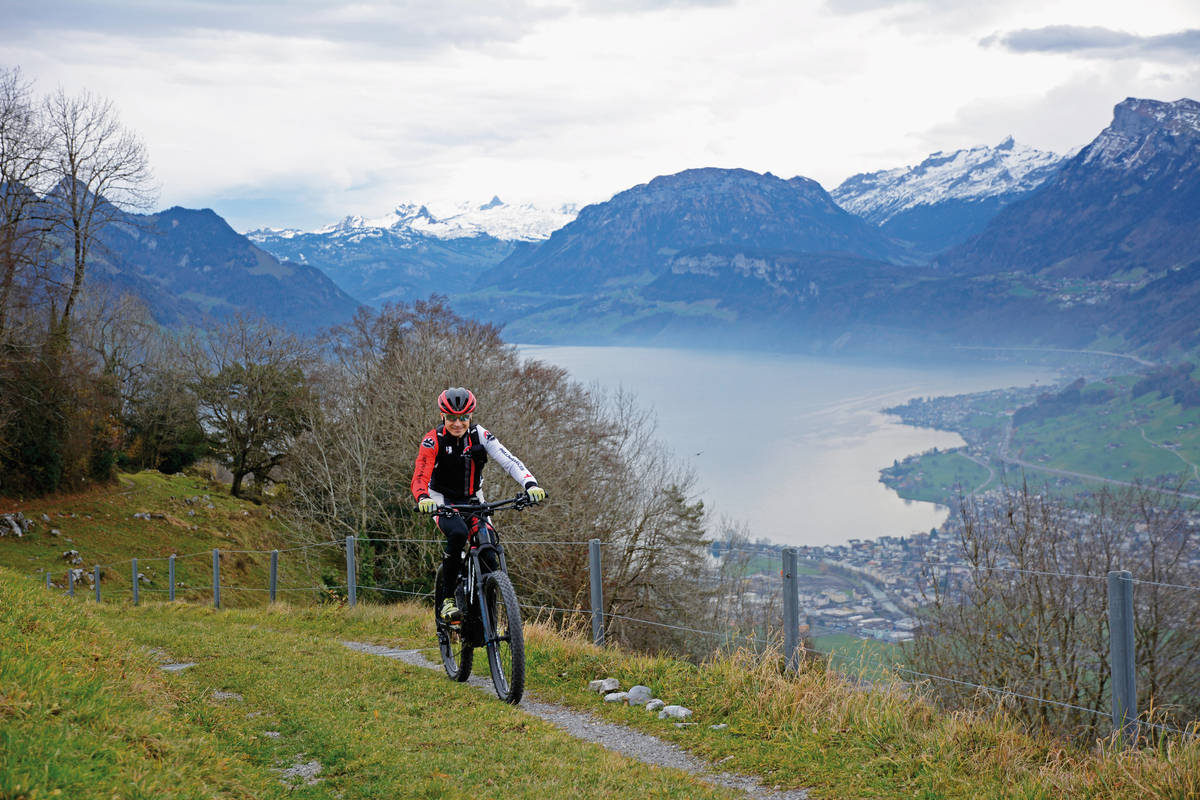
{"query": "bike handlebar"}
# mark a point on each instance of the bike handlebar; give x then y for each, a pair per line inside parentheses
(517, 502)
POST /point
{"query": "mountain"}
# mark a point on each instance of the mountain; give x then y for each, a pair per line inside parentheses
(411, 252)
(713, 256)
(641, 232)
(1126, 208)
(948, 197)
(190, 265)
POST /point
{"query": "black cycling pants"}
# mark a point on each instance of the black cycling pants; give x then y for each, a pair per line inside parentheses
(455, 530)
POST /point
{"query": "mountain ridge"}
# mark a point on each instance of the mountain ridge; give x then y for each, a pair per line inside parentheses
(948, 196)
(189, 265)
(1127, 204)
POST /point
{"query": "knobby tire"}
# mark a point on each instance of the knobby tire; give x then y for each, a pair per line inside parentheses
(506, 652)
(457, 655)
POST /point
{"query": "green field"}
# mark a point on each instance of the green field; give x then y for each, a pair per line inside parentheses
(938, 477)
(1075, 449)
(1123, 439)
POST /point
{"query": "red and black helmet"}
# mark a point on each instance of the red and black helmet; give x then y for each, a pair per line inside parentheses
(456, 401)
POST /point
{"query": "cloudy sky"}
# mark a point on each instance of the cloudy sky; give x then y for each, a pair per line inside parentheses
(297, 113)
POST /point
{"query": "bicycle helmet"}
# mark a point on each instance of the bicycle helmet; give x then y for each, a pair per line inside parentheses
(456, 401)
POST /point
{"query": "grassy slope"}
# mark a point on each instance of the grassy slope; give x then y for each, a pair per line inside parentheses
(82, 682)
(1107, 439)
(1122, 439)
(99, 524)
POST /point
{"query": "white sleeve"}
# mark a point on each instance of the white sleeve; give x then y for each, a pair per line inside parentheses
(500, 454)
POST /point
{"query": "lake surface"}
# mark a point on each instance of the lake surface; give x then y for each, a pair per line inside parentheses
(790, 445)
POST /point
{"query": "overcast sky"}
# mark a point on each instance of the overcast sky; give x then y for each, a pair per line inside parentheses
(298, 113)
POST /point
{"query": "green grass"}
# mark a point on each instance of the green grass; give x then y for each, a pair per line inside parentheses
(853, 655)
(940, 477)
(85, 714)
(377, 727)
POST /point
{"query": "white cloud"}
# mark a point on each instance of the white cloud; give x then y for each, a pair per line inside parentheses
(297, 114)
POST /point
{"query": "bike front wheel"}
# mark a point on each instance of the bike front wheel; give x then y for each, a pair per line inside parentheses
(506, 639)
(457, 655)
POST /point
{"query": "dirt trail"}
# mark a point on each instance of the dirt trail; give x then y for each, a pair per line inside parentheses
(618, 738)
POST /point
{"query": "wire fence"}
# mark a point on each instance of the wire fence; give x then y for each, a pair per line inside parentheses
(1123, 706)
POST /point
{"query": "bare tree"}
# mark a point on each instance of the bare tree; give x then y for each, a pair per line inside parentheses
(99, 169)
(23, 146)
(1029, 612)
(252, 384)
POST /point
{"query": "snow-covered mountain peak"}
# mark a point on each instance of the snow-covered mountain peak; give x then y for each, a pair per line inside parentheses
(976, 173)
(1140, 128)
(525, 222)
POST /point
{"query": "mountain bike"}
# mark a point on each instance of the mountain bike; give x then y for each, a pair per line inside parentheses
(491, 615)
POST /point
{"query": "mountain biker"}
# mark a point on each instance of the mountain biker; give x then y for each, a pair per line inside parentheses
(449, 468)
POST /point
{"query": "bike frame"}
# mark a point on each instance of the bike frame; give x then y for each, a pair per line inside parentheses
(481, 541)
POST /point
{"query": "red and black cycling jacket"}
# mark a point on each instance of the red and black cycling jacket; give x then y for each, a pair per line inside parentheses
(452, 466)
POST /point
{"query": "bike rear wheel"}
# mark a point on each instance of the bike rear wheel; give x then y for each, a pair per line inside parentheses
(457, 655)
(506, 640)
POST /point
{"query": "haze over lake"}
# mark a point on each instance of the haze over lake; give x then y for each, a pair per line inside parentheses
(790, 444)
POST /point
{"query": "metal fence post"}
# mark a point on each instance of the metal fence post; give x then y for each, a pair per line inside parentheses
(216, 578)
(1122, 654)
(597, 592)
(351, 577)
(791, 610)
(96, 573)
(274, 573)
(135, 583)
(171, 577)
(70, 582)
(47, 579)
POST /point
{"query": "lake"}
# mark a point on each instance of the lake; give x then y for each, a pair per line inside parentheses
(791, 445)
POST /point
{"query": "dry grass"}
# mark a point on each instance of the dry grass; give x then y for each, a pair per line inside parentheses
(842, 738)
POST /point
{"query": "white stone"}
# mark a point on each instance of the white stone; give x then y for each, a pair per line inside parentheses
(616, 697)
(674, 712)
(722, 726)
(639, 695)
(609, 685)
(655, 705)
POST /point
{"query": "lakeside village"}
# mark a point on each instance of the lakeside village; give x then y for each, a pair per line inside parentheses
(867, 588)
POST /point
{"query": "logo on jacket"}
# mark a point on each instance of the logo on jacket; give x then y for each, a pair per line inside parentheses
(449, 449)
(428, 442)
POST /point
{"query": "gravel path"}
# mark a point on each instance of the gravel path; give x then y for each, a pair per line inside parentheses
(618, 738)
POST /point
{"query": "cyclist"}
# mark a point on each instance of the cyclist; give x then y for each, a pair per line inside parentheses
(449, 467)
